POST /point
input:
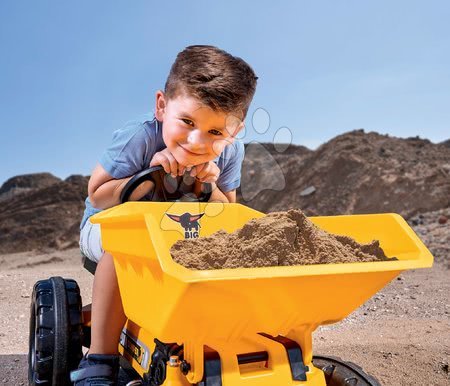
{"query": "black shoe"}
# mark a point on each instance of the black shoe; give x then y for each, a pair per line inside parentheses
(96, 370)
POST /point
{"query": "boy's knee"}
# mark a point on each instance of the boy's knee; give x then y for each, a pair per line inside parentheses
(106, 263)
(105, 257)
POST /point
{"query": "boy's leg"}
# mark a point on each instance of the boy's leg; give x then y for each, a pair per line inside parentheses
(107, 316)
(101, 365)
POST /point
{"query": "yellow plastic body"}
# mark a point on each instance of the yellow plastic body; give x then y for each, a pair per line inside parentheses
(226, 309)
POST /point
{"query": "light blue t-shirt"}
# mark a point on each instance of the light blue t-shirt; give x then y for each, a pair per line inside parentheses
(134, 145)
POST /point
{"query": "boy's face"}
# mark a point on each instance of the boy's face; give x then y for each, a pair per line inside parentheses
(193, 132)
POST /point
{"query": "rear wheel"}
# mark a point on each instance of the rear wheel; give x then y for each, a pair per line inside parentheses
(340, 373)
(55, 331)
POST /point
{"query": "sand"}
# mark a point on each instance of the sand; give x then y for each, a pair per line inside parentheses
(277, 239)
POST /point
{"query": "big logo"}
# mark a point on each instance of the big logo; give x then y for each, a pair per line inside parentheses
(188, 222)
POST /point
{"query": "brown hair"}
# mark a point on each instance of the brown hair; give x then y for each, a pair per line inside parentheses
(217, 79)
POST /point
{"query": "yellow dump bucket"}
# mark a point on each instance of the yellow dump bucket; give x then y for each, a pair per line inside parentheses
(227, 308)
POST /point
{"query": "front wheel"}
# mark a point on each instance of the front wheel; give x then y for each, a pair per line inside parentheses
(340, 373)
(55, 332)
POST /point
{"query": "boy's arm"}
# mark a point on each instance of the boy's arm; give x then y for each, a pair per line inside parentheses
(218, 196)
(104, 190)
(231, 196)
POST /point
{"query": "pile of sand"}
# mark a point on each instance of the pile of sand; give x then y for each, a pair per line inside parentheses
(279, 238)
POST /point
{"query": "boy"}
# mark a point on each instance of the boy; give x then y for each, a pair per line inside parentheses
(197, 117)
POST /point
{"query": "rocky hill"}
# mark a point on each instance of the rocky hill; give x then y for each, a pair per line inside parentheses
(44, 213)
(26, 183)
(356, 172)
(445, 143)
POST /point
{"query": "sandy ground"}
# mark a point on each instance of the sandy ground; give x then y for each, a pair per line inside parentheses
(401, 336)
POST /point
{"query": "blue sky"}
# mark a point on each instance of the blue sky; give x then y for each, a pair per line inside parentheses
(73, 72)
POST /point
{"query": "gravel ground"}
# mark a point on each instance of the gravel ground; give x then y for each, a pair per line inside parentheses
(401, 335)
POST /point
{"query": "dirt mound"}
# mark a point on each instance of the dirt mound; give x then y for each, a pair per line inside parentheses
(263, 171)
(278, 239)
(445, 143)
(47, 217)
(355, 172)
(26, 183)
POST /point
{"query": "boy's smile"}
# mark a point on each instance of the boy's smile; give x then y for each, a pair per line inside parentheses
(193, 132)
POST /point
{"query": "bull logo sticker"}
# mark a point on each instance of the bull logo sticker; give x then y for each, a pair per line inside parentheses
(189, 222)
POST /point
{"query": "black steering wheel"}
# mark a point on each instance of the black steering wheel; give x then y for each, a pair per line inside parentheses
(166, 187)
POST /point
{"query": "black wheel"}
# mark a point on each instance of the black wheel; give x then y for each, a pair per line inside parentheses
(55, 332)
(340, 373)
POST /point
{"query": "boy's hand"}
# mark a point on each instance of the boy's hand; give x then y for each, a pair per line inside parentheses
(168, 162)
(206, 172)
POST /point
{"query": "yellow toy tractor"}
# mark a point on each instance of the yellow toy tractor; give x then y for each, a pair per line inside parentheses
(224, 327)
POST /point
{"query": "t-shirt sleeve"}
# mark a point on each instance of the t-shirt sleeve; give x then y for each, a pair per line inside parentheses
(230, 177)
(125, 155)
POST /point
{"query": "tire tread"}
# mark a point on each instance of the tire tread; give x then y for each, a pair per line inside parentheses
(52, 365)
